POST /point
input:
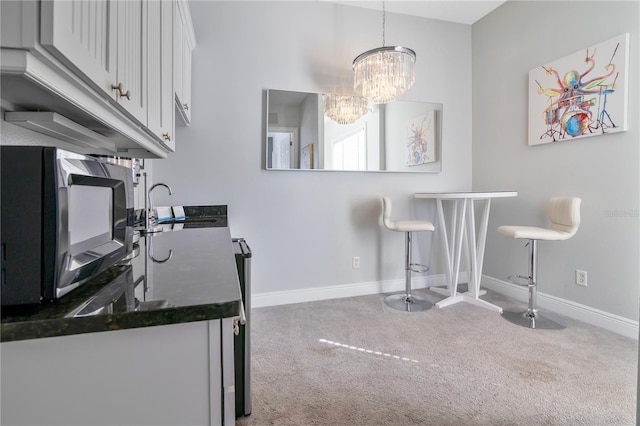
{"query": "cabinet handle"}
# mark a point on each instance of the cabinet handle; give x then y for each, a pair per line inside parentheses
(120, 88)
(237, 322)
(243, 314)
(185, 106)
(166, 136)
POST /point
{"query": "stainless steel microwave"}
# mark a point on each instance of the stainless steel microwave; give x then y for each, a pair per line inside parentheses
(66, 217)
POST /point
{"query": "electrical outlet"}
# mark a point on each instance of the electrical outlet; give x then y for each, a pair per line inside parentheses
(581, 278)
(355, 262)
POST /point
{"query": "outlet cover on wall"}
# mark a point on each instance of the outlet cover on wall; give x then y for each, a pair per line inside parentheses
(581, 278)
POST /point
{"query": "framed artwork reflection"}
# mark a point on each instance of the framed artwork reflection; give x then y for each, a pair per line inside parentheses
(306, 157)
(420, 139)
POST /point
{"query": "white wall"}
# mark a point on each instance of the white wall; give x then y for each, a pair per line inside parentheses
(602, 170)
(304, 226)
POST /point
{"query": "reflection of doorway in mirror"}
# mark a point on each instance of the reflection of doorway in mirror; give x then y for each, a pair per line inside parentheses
(350, 151)
(281, 148)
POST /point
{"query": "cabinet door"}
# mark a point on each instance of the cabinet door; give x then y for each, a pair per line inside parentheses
(166, 74)
(186, 75)
(178, 57)
(222, 372)
(160, 110)
(105, 41)
(82, 34)
(228, 372)
(184, 43)
(132, 38)
(142, 376)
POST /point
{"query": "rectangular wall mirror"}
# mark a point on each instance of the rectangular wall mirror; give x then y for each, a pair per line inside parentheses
(400, 136)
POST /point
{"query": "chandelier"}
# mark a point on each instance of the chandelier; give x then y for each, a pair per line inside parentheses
(344, 109)
(385, 73)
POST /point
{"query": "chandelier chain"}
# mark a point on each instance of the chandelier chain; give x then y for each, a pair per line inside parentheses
(385, 73)
(384, 16)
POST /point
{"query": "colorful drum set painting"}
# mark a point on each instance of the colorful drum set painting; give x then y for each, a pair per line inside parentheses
(583, 94)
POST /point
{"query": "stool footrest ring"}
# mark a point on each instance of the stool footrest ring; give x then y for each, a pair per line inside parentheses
(514, 279)
(418, 267)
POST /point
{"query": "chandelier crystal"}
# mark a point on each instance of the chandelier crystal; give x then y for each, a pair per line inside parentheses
(385, 73)
(344, 109)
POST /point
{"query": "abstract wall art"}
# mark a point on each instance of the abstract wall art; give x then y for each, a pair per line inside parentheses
(421, 136)
(583, 94)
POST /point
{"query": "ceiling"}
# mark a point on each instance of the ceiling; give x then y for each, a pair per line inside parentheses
(461, 11)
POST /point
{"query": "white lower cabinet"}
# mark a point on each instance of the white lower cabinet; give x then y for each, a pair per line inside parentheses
(171, 374)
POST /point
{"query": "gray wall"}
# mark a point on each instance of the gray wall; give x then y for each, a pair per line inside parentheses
(305, 226)
(602, 170)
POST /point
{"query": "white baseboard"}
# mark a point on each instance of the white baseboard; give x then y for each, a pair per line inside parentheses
(275, 298)
(596, 317)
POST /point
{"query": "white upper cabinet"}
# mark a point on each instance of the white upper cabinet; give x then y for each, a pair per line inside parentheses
(184, 43)
(84, 36)
(104, 64)
(160, 110)
(105, 41)
(131, 57)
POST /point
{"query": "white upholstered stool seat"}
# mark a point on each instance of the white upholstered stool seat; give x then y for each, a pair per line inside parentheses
(564, 213)
(534, 233)
(406, 301)
(410, 226)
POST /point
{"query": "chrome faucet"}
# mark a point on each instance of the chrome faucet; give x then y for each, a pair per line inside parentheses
(150, 204)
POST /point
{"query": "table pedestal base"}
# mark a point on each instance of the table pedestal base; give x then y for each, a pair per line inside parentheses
(464, 234)
(464, 297)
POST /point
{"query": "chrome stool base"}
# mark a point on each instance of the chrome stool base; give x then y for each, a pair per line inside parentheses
(536, 320)
(531, 317)
(407, 303)
(564, 213)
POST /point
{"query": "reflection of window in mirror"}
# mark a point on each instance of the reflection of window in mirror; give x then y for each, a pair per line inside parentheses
(349, 152)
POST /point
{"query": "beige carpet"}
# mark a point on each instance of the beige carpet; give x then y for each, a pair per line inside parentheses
(355, 361)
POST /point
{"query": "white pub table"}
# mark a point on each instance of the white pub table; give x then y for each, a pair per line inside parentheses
(460, 230)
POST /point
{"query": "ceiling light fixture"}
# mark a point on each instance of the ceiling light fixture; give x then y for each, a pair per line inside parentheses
(385, 73)
(344, 109)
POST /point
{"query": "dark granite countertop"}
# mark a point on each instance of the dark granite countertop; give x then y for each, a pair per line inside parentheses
(179, 275)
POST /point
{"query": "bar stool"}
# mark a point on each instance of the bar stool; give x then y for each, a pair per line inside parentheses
(406, 301)
(564, 213)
